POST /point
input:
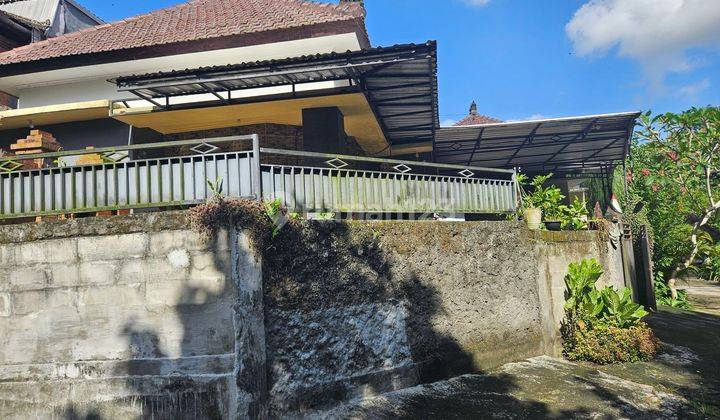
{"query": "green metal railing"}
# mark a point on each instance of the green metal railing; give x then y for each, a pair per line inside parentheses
(329, 184)
(339, 189)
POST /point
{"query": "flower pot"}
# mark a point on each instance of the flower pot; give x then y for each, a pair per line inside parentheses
(533, 218)
(553, 225)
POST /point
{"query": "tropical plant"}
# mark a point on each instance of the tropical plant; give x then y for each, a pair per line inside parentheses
(546, 198)
(682, 154)
(597, 320)
(550, 200)
(709, 255)
(575, 216)
(580, 284)
(664, 297)
(278, 214)
(619, 308)
(216, 187)
(584, 301)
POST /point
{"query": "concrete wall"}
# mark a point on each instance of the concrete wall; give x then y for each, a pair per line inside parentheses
(135, 316)
(555, 251)
(121, 320)
(361, 308)
(395, 304)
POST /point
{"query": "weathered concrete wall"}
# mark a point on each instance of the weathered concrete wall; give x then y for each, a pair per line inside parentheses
(120, 318)
(135, 315)
(555, 251)
(361, 308)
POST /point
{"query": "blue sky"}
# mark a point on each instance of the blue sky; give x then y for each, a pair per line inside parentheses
(523, 59)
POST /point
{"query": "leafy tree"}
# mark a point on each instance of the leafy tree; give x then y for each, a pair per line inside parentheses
(682, 152)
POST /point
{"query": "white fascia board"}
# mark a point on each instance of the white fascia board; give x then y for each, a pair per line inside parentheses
(20, 84)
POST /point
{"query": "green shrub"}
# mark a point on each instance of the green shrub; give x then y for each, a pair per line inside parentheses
(603, 326)
(663, 296)
(606, 343)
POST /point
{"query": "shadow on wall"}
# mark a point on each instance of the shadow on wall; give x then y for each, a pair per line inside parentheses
(343, 319)
(346, 320)
(198, 381)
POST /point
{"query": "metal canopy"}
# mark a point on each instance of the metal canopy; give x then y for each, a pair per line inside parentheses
(563, 145)
(400, 83)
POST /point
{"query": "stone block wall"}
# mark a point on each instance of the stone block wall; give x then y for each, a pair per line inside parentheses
(136, 316)
(118, 320)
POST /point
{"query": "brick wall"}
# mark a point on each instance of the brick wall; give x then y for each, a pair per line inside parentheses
(271, 135)
(7, 101)
(276, 136)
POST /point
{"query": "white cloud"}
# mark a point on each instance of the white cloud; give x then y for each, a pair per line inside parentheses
(657, 33)
(476, 3)
(532, 117)
(449, 122)
(693, 90)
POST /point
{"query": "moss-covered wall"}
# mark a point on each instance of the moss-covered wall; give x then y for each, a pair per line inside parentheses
(349, 309)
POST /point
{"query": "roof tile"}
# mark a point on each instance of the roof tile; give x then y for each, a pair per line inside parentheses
(191, 21)
(477, 119)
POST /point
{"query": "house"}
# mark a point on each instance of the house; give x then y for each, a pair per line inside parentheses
(26, 21)
(300, 78)
(65, 79)
(474, 118)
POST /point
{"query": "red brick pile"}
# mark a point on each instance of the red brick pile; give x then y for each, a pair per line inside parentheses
(37, 142)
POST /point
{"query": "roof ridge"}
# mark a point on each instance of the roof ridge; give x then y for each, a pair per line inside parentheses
(96, 27)
(168, 25)
(350, 8)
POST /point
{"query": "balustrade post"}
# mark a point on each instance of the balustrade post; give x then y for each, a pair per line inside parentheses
(256, 170)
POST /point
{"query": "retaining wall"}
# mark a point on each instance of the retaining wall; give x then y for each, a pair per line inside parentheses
(136, 316)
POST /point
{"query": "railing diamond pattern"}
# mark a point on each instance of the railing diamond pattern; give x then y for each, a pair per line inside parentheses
(120, 183)
(204, 148)
(402, 168)
(337, 163)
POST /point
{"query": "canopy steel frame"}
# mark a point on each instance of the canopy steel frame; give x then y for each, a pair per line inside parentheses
(399, 83)
(587, 143)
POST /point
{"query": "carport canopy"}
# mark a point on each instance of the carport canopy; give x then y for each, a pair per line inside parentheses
(399, 82)
(587, 144)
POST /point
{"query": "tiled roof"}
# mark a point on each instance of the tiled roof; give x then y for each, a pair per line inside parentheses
(477, 119)
(474, 118)
(191, 21)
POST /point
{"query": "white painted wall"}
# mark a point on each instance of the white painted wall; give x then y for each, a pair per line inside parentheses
(90, 82)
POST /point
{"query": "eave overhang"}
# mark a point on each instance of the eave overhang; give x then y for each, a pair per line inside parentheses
(560, 145)
(399, 82)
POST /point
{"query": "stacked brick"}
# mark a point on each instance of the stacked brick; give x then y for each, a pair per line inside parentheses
(37, 142)
(89, 159)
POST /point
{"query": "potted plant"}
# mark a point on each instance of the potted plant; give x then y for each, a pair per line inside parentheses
(533, 217)
(575, 216)
(529, 210)
(553, 210)
(540, 201)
